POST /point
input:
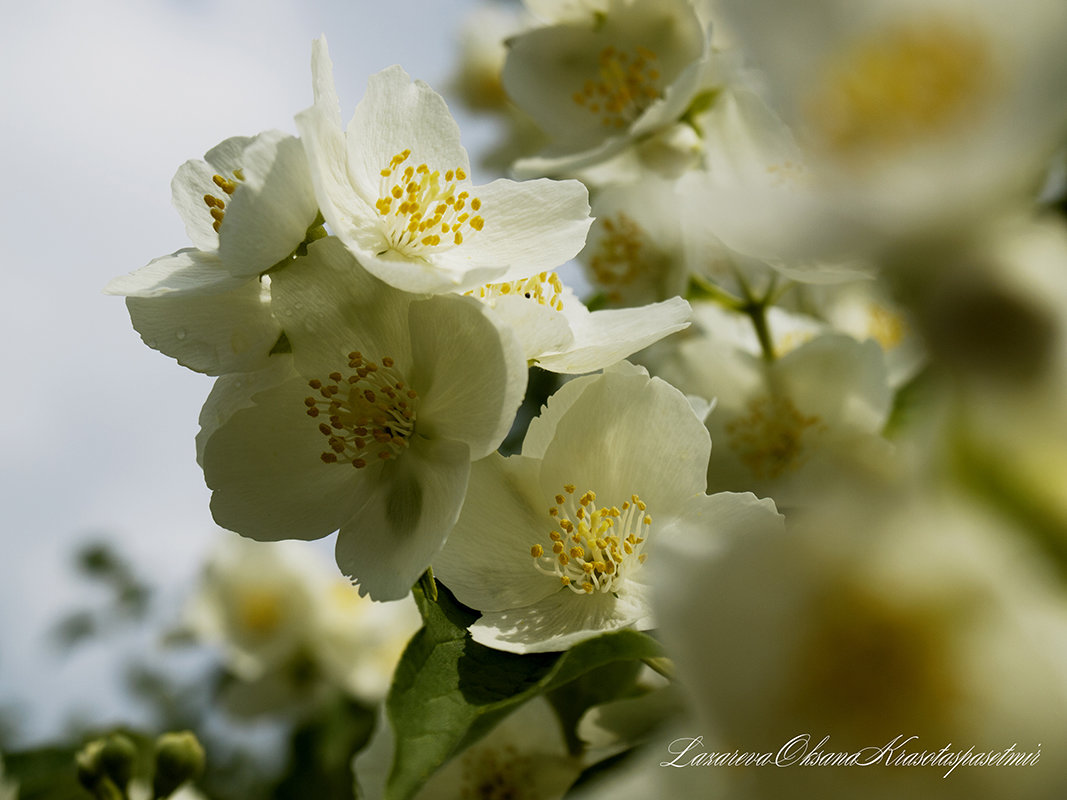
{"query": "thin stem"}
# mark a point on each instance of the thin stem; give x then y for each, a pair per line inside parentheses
(700, 288)
(662, 665)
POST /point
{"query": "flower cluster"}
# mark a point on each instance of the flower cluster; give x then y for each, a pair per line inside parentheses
(818, 234)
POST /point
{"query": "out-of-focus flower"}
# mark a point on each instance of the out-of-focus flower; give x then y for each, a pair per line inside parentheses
(880, 616)
(255, 601)
(524, 756)
(783, 427)
(865, 310)
(602, 78)
(916, 121)
(358, 642)
(395, 188)
(482, 51)
(551, 544)
(558, 333)
(372, 430)
(281, 617)
(247, 207)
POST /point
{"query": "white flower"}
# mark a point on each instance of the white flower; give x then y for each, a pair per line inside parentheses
(247, 207)
(372, 430)
(597, 81)
(395, 188)
(255, 600)
(524, 756)
(785, 426)
(357, 642)
(882, 614)
(280, 615)
(551, 544)
(865, 310)
(915, 120)
(558, 333)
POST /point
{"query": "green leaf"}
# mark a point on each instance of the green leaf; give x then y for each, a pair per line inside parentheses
(449, 691)
(909, 403)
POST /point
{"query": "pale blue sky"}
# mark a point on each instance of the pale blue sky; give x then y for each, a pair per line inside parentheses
(103, 101)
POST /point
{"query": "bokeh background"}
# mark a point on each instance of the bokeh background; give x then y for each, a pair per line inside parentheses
(103, 101)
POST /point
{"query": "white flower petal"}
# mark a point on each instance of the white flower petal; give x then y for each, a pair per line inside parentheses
(604, 337)
(468, 369)
(710, 522)
(217, 333)
(329, 306)
(267, 478)
(538, 327)
(186, 271)
(561, 620)
(396, 114)
(530, 227)
(326, 151)
(542, 428)
(628, 434)
(271, 210)
(193, 180)
(234, 391)
(389, 542)
(840, 380)
(486, 561)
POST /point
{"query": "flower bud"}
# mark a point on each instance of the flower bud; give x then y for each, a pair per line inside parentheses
(179, 758)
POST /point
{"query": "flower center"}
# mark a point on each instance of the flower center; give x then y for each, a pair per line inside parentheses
(217, 205)
(897, 85)
(259, 611)
(422, 208)
(769, 438)
(544, 288)
(370, 413)
(625, 86)
(592, 549)
(623, 256)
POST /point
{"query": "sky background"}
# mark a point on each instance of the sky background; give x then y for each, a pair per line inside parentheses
(103, 101)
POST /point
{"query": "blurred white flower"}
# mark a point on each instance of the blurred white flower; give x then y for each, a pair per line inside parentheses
(373, 428)
(247, 207)
(783, 427)
(395, 188)
(255, 600)
(276, 609)
(600, 78)
(551, 544)
(916, 120)
(881, 614)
